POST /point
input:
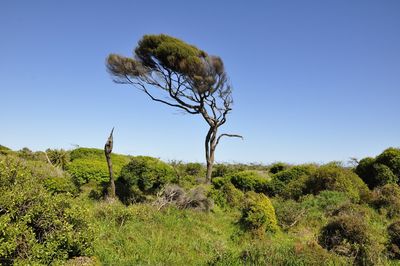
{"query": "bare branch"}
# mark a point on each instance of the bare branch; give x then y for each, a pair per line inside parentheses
(228, 135)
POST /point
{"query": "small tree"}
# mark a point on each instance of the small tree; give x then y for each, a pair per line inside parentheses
(190, 79)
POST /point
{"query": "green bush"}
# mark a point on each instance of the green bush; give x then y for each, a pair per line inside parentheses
(353, 232)
(345, 235)
(258, 213)
(37, 227)
(365, 170)
(60, 185)
(310, 212)
(249, 180)
(290, 182)
(219, 182)
(27, 154)
(386, 200)
(50, 177)
(90, 165)
(85, 170)
(394, 239)
(81, 153)
(194, 169)
(278, 167)
(383, 175)
(288, 213)
(336, 178)
(223, 170)
(294, 172)
(391, 158)
(226, 195)
(143, 176)
(5, 150)
(384, 169)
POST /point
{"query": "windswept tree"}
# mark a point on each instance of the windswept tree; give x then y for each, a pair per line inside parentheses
(180, 75)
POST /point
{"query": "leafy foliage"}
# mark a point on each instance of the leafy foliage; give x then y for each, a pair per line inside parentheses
(258, 213)
(278, 167)
(384, 169)
(298, 181)
(321, 210)
(143, 176)
(386, 199)
(89, 164)
(58, 157)
(36, 226)
(350, 234)
(289, 183)
(394, 237)
(249, 180)
(227, 196)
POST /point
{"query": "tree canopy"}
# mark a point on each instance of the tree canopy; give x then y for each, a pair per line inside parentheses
(192, 80)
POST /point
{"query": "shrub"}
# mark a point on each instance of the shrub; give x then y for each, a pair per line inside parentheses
(143, 176)
(90, 165)
(365, 170)
(85, 170)
(37, 227)
(386, 199)
(222, 170)
(383, 175)
(391, 158)
(290, 182)
(5, 150)
(81, 153)
(278, 167)
(294, 173)
(310, 212)
(352, 232)
(194, 199)
(394, 239)
(226, 195)
(194, 169)
(50, 177)
(249, 181)
(288, 213)
(326, 201)
(345, 235)
(375, 174)
(258, 213)
(332, 177)
(384, 169)
(59, 158)
(27, 154)
(60, 185)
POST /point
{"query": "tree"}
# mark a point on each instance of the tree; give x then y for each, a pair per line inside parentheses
(189, 79)
(107, 151)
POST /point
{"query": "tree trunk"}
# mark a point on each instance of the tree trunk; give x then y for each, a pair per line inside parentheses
(107, 151)
(111, 189)
(210, 145)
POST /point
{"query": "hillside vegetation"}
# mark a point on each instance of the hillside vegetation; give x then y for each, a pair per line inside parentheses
(53, 211)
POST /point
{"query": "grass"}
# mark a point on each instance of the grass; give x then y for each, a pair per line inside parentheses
(142, 235)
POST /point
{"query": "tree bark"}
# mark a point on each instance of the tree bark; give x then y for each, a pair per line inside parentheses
(107, 151)
(210, 145)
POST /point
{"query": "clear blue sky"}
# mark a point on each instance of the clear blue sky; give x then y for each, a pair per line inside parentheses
(314, 81)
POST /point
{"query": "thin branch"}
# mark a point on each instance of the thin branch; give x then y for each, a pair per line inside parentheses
(143, 88)
(227, 135)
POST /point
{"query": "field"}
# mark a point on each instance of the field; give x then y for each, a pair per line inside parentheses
(57, 211)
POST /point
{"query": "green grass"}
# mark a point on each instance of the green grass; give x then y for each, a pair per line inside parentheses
(142, 235)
